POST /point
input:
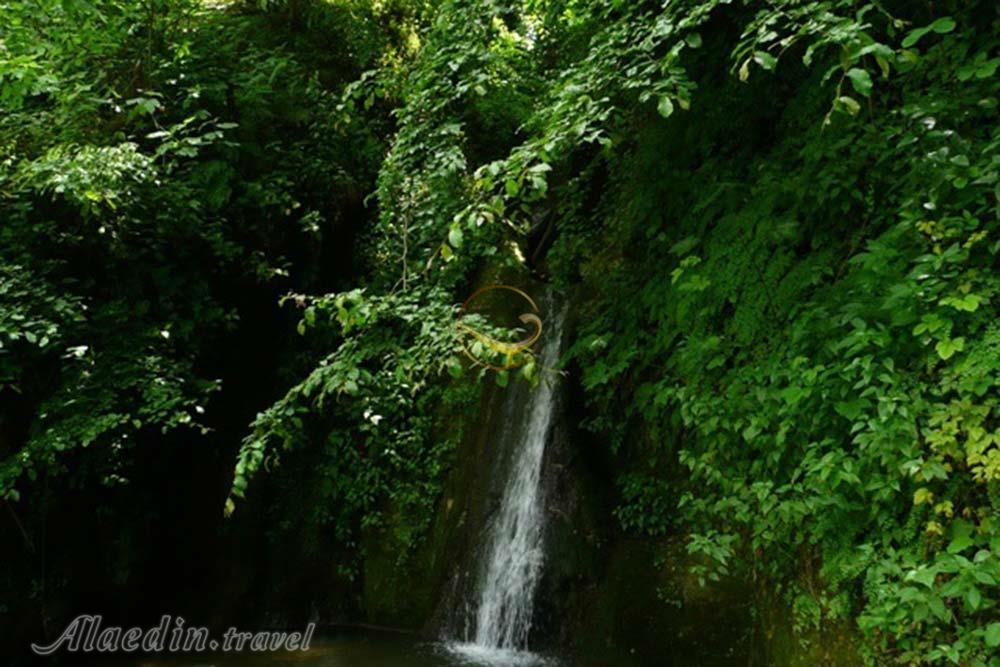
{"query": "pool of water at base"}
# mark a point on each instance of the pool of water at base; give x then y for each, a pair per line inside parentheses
(365, 649)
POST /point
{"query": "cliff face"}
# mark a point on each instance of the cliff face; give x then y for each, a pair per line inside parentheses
(606, 592)
(417, 590)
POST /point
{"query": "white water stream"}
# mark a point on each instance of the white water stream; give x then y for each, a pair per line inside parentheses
(514, 551)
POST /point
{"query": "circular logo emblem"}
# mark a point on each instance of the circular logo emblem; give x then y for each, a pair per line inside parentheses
(489, 352)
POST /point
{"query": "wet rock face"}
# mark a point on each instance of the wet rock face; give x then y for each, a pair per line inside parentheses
(626, 599)
(617, 598)
(603, 592)
(421, 591)
(600, 591)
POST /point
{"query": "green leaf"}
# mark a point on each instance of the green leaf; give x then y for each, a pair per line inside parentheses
(938, 608)
(943, 25)
(860, 80)
(914, 36)
(924, 576)
(765, 60)
(946, 349)
(455, 236)
(665, 107)
(883, 65)
(792, 395)
(923, 495)
(973, 598)
(851, 409)
(849, 104)
(967, 302)
(992, 635)
(961, 539)
(684, 246)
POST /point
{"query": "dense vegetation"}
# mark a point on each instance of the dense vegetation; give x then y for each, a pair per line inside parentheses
(779, 222)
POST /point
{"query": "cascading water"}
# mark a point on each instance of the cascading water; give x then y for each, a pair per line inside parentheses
(513, 551)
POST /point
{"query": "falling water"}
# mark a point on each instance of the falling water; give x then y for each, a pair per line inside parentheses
(513, 551)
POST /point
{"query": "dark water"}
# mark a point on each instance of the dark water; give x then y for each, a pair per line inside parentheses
(362, 650)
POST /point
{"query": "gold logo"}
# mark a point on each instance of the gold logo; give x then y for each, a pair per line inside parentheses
(514, 354)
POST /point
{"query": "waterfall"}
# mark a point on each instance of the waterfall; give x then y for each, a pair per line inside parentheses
(512, 552)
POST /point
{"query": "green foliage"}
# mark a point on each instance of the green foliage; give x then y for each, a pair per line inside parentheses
(791, 303)
(373, 401)
(155, 157)
(783, 218)
(384, 400)
(817, 349)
